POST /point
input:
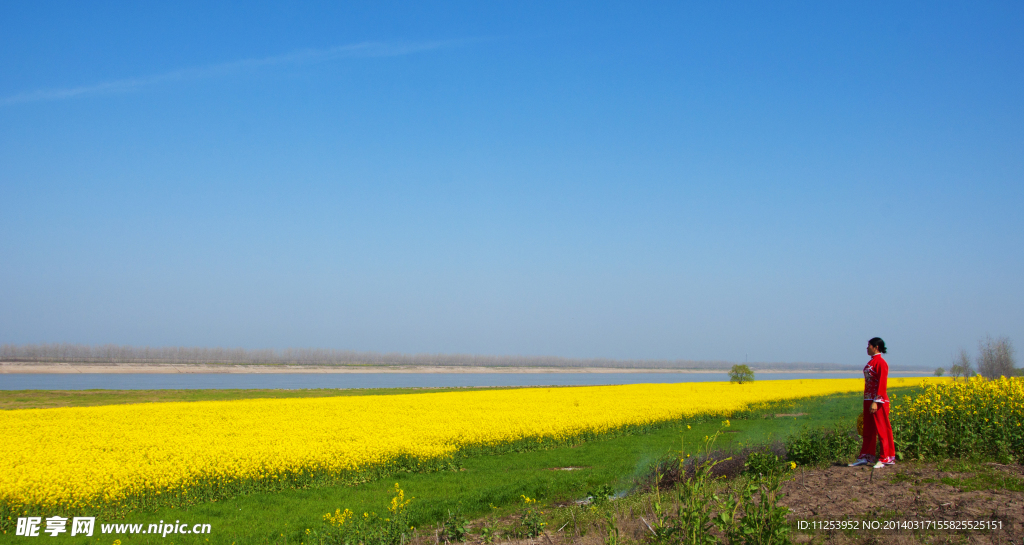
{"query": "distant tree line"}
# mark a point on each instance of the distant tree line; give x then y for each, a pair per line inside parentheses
(112, 353)
(995, 359)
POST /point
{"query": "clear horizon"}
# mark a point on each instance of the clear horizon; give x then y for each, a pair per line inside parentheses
(699, 182)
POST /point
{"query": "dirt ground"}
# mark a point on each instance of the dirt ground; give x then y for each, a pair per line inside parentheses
(912, 493)
(907, 493)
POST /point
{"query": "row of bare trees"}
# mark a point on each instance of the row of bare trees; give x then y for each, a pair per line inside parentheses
(995, 359)
(112, 353)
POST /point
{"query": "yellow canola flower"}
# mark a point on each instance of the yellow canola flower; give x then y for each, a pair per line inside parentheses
(83, 457)
(398, 503)
(337, 519)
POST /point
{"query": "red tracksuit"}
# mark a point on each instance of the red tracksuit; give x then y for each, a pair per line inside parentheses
(876, 372)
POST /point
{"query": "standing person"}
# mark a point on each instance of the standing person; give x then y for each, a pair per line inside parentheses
(876, 409)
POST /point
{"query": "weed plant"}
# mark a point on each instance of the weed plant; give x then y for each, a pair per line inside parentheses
(763, 521)
(577, 520)
(455, 527)
(602, 495)
(348, 528)
(531, 523)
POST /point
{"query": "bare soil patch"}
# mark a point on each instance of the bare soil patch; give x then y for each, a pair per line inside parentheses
(904, 492)
(909, 492)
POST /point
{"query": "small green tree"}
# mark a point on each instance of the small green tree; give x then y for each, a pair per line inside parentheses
(939, 372)
(741, 374)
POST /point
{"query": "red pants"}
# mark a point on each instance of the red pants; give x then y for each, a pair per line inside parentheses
(877, 424)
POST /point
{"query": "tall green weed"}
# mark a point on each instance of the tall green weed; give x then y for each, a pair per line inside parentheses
(821, 446)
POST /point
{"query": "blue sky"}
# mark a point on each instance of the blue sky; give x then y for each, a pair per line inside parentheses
(695, 181)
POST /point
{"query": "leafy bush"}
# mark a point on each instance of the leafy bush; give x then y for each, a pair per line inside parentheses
(601, 495)
(819, 446)
(765, 462)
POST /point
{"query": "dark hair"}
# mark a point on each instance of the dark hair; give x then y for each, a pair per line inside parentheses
(878, 343)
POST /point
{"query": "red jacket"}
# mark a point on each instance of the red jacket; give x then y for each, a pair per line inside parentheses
(876, 373)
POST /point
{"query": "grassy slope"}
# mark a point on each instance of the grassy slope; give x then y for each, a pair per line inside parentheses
(484, 481)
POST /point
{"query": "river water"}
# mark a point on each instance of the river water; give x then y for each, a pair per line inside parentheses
(367, 380)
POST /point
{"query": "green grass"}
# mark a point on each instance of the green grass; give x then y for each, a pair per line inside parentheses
(978, 476)
(483, 481)
(969, 475)
(48, 399)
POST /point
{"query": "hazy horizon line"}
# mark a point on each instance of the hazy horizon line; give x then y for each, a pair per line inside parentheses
(114, 353)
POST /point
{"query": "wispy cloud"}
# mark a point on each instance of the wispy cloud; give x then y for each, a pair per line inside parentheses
(304, 56)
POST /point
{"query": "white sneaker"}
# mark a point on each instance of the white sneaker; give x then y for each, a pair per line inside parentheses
(878, 465)
(859, 462)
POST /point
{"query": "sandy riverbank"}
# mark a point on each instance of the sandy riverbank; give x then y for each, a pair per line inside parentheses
(169, 368)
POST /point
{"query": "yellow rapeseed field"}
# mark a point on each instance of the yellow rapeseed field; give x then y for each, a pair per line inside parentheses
(83, 458)
(976, 417)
